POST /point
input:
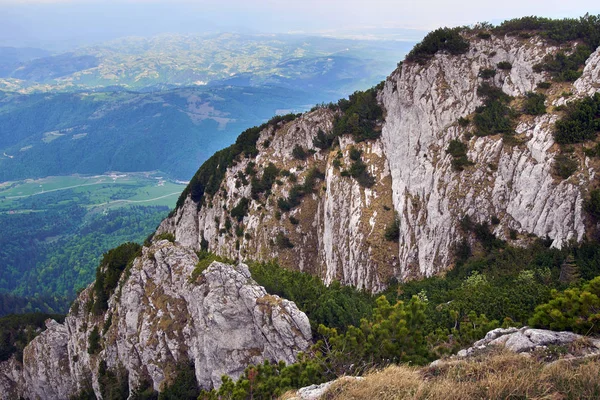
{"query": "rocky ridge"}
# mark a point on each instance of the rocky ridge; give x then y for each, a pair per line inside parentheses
(162, 315)
(337, 232)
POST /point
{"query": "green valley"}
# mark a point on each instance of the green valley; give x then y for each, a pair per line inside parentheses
(56, 229)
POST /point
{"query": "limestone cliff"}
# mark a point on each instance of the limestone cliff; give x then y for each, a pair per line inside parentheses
(161, 315)
(337, 232)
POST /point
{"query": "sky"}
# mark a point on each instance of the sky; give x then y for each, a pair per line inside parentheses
(60, 24)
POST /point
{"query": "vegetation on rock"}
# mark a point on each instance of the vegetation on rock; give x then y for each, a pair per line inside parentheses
(360, 114)
(581, 122)
(208, 178)
(495, 116)
(16, 331)
(534, 103)
(458, 151)
(443, 39)
(109, 272)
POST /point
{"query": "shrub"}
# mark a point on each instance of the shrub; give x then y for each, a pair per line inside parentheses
(265, 183)
(456, 148)
(565, 166)
(114, 384)
(241, 209)
(165, 236)
(581, 122)
(205, 258)
(184, 386)
(297, 192)
(443, 39)
(484, 35)
(464, 122)
(504, 65)
(544, 85)
(393, 334)
(563, 67)
(557, 31)
(335, 305)
(491, 93)
(392, 232)
(534, 103)
(360, 115)
(323, 141)
(94, 341)
(109, 272)
(575, 309)
(592, 205)
(17, 330)
(283, 242)
(358, 170)
(355, 153)
(299, 153)
(494, 116)
(144, 391)
(458, 151)
(487, 73)
(268, 381)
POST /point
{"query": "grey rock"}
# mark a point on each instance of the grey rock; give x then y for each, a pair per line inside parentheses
(222, 321)
(518, 342)
(340, 228)
(313, 392)
(543, 337)
(527, 339)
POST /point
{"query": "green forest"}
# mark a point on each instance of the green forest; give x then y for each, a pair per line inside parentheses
(51, 243)
(420, 321)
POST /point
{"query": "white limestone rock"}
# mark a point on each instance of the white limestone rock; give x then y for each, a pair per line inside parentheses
(341, 226)
(526, 339)
(222, 321)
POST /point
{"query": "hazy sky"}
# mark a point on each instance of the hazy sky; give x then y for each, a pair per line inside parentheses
(61, 23)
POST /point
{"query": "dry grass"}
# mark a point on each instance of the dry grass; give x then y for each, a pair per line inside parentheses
(496, 376)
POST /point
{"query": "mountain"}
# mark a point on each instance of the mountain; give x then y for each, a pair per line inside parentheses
(12, 57)
(478, 152)
(92, 133)
(454, 156)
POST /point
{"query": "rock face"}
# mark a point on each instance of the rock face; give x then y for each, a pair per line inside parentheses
(221, 320)
(337, 232)
(525, 340)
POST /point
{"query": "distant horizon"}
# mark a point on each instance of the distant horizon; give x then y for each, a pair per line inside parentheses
(59, 25)
(392, 34)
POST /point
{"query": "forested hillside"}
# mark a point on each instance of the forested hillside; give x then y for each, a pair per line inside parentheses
(51, 242)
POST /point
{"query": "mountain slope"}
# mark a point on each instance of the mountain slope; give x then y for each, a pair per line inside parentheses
(453, 152)
(161, 313)
(507, 185)
(92, 133)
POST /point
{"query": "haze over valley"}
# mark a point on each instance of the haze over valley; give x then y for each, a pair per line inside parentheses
(128, 105)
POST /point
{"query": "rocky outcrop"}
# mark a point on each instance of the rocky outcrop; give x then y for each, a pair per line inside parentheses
(338, 231)
(162, 314)
(527, 339)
